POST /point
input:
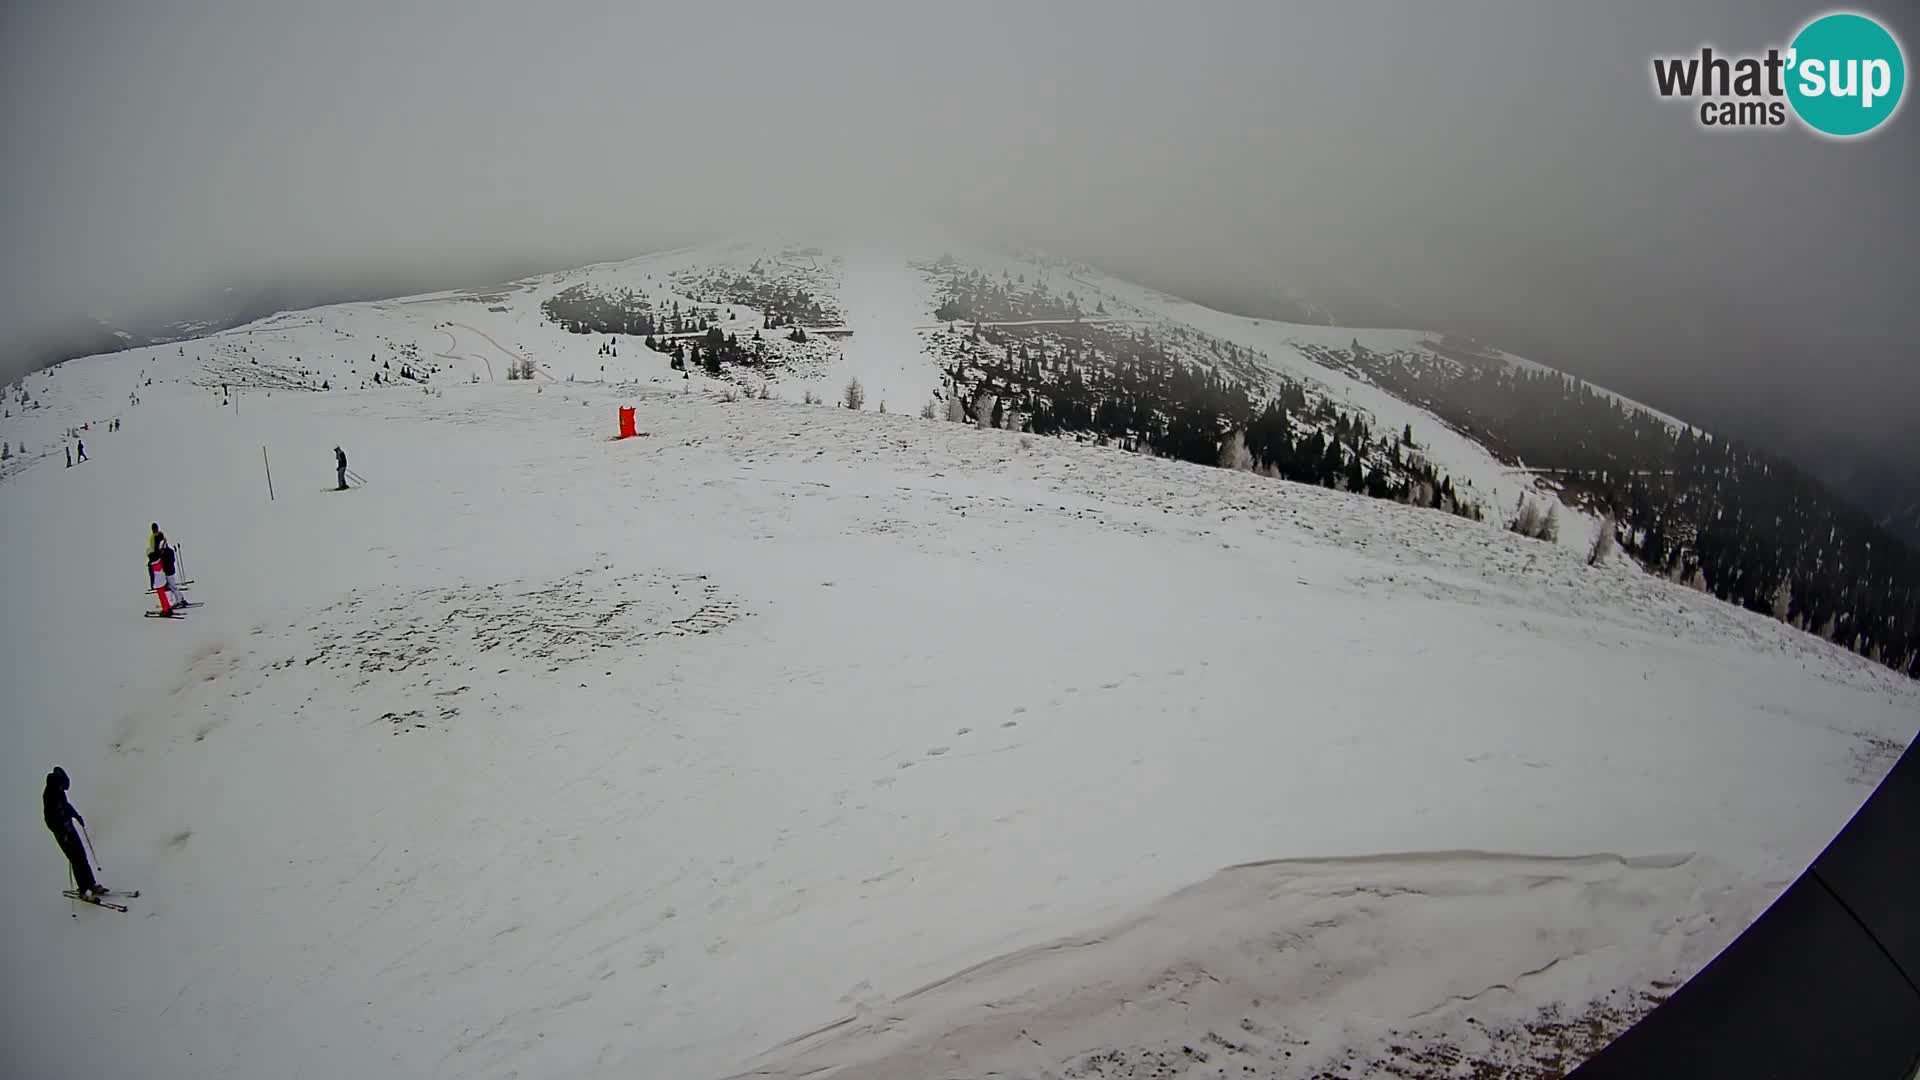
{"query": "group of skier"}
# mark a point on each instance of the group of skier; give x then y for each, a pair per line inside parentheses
(55, 810)
(79, 445)
(66, 824)
(163, 564)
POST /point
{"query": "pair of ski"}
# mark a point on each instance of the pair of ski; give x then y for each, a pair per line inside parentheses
(175, 611)
(100, 899)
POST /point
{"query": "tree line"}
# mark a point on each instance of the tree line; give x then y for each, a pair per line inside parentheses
(1088, 382)
(781, 303)
(584, 309)
(971, 296)
(717, 350)
(1748, 527)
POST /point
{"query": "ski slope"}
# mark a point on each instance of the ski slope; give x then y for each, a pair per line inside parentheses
(788, 739)
(885, 297)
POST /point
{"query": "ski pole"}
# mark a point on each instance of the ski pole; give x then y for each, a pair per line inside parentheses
(91, 850)
(356, 477)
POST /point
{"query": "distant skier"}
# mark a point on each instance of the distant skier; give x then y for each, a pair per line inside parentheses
(340, 468)
(60, 816)
(82, 445)
(69, 457)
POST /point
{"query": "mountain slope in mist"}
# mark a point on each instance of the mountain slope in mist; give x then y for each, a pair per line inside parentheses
(736, 288)
(1056, 348)
(538, 751)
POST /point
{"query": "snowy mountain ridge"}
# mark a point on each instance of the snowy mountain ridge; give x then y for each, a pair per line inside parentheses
(1056, 348)
(887, 343)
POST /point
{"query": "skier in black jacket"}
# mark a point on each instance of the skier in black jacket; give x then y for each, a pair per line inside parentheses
(168, 561)
(60, 816)
(340, 468)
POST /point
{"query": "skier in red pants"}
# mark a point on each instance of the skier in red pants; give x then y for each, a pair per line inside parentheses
(60, 817)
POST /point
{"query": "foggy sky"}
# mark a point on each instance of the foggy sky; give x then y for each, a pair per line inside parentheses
(1502, 168)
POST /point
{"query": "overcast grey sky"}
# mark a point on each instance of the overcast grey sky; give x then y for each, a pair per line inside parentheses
(1503, 166)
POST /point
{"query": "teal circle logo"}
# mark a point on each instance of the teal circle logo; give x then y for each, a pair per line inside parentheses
(1846, 74)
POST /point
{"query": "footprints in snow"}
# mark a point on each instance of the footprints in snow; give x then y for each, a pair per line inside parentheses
(713, 615)
(1059, 701)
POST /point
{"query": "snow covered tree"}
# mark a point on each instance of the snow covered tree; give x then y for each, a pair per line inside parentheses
(854, 395)
(1603, 542)
(1234, 455)
(956, 412)
(926, 411)
(983, 404)
(1534, 520)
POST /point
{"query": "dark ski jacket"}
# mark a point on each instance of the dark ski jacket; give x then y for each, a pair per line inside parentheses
(55, 808)
(166, 559)
(339, 458)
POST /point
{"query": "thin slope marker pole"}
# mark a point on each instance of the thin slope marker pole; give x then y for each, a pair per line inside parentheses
(269, 468)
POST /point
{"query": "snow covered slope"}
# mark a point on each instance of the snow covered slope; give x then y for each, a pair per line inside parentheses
(788, 739)
(871, 318)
